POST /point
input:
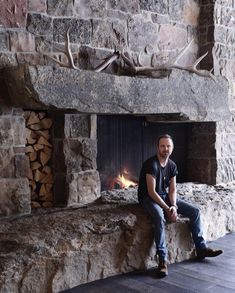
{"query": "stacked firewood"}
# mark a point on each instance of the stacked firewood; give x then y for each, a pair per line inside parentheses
(39, 151)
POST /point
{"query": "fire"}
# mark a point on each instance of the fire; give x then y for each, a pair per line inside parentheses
(123, 181)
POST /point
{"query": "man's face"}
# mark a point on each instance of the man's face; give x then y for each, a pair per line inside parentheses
(165, 148)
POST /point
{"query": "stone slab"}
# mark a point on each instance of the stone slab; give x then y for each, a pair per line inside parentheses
(198, 98)
(59, 249)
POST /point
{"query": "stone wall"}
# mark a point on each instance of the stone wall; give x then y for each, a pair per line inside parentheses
(224, 43)
(96, 27)
(14, 192)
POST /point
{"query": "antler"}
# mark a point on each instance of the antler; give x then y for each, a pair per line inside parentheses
(148, 70)
(67, 52)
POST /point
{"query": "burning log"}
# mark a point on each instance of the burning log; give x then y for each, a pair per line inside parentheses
(39, 151)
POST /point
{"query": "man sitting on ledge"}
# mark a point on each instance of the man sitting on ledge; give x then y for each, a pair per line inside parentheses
(157, 195)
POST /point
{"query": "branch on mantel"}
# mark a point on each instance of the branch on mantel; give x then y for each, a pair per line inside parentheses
(134, 66)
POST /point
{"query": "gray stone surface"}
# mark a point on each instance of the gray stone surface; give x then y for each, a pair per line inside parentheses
(198, 98)
(39, 24)
(51, 252)
(79, 30)
(84, 188)
(14, 197)
(80, 154)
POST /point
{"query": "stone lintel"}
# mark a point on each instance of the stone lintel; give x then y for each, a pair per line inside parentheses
(195, 97)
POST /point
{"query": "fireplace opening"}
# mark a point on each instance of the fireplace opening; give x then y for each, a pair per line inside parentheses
(126, 141)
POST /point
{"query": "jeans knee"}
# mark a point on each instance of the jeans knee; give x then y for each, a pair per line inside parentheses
(159, 219)
(196, 212)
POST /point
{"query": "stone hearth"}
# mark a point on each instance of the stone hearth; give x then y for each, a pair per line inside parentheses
(111, 236)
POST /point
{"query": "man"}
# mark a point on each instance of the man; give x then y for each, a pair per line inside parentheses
(157, 195)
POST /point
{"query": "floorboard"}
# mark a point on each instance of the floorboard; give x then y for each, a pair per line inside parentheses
(212, 275)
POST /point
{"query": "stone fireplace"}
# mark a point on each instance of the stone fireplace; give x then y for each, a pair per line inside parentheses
(104, 125)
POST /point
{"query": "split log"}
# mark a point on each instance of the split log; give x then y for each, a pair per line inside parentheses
(38, 175)
(48, 179)
(41, 115)
(29, 149)
(46, 123)
(33, 119)
(33, 156)
(35, 165)
(35, 204)
(44, 157)
(38, 147)
(43, 141)
(43, 133)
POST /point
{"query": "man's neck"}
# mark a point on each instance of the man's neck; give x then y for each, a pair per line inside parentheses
(162, 161)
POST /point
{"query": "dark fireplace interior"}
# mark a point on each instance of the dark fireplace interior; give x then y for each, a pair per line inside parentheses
(125, 141)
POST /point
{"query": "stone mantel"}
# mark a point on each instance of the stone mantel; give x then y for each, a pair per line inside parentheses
(183, 93)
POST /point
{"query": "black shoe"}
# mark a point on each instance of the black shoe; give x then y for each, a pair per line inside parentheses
(208, 252)
(162, 269)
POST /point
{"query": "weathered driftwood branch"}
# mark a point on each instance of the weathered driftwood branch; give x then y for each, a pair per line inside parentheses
(133, 66)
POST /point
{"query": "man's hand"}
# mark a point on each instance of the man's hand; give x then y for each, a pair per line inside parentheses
(172, 214)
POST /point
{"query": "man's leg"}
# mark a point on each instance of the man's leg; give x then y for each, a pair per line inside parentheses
(193, 213)
(157, 215)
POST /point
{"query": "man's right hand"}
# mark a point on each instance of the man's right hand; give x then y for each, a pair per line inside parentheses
(172, 214)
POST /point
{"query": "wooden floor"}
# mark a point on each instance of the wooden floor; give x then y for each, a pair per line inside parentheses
(215, 275)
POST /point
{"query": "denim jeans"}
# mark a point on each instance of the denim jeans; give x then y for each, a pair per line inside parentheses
(158, 218)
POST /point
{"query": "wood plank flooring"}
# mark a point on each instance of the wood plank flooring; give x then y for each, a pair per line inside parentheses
(212, 275)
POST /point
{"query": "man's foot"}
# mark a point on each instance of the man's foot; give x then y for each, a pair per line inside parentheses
(208, 252)
(162, 269)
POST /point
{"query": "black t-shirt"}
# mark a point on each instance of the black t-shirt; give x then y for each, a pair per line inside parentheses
(162, 175)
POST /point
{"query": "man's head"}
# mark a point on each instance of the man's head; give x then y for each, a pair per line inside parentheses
(165, 146)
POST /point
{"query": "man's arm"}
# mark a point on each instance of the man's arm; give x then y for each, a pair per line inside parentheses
(172, 191)
(151, 185)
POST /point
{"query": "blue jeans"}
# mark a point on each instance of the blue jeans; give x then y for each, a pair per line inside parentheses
(158, 218)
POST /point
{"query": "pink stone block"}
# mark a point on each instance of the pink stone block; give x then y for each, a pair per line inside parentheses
(37, 5)
(13, 13)
(22, 42)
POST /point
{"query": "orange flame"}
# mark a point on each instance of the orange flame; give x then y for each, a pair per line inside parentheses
(123, 182)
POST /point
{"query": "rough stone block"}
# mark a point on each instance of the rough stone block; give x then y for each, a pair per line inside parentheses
(84, 187)
(7, 169)
(80, 154)
(6, 132)
(4, 41)
(225, 170)
(138, 29)
(160, 6)
(13, 13)
(109, 34)
(19, 130)
(39, 24)
(77, 125)
(227, 145)
(60, 8)
(90, 8)
(22, 42)
(129, 6)
(172, 37)
(79, 30)
(30, 58)
(21, 166)
(191, 12)
(8, 60)
(37, 5)
(87, 92)
(15, 197)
